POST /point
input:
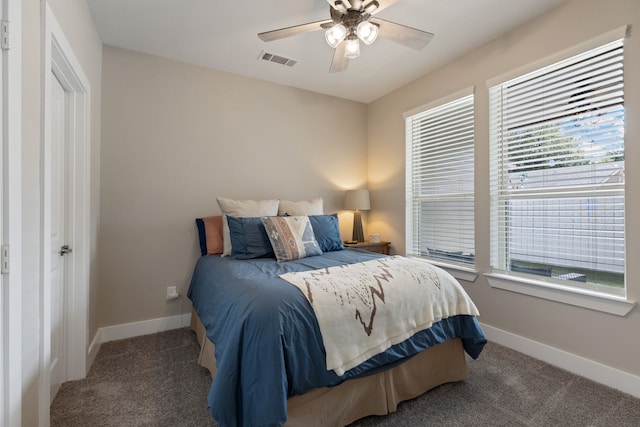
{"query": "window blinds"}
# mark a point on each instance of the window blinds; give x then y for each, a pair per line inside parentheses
(557, 169)
(440, 181)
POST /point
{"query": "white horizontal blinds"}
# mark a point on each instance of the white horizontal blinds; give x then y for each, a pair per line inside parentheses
(440, 181)
(557, 169)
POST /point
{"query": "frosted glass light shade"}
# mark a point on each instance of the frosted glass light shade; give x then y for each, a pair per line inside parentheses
(352, 48)
(335, 35)
(367, 32)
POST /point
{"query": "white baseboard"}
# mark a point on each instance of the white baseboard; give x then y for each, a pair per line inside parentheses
(135, 329)
(603, 374)
(93, 350)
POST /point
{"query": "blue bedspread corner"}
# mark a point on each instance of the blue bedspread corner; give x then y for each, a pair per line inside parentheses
(473, 339)
(268, 345)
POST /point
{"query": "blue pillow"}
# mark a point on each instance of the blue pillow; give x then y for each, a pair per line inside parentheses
(202, 237)
(327, 231)
(249, 238)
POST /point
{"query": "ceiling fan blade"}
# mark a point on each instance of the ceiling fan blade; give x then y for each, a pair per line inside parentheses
(357, 4)
(339, 62)
(336, 15)
(282, 33)
(406, 36)
(346, 3)
(383, 5)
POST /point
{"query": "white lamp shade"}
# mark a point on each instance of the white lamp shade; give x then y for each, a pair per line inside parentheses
(357, 200)
(367, 32)
(335, 35)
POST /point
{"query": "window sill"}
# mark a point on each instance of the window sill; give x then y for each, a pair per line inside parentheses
(467, 274)
(585, 298)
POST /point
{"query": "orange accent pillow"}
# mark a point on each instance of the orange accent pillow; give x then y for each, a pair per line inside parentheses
(213, 234)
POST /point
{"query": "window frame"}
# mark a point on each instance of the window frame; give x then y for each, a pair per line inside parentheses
(545, 288)
(460, 270)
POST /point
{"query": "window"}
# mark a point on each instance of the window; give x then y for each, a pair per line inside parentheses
(557, 172)
(440, 181)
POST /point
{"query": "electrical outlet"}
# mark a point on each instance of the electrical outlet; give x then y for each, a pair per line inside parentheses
(172, 293)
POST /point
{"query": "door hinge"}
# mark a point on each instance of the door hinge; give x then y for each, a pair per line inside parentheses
(4, 259)
(4, 35)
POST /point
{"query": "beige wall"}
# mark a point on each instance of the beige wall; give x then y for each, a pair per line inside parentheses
(601, 337)
(77, 24)
(176, 136)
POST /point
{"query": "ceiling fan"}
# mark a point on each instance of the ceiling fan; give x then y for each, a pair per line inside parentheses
(352, 21)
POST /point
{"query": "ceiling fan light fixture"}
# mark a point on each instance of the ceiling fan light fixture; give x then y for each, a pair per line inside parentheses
(335, 35)
(352, 48)
(351, 22)
(367, 32)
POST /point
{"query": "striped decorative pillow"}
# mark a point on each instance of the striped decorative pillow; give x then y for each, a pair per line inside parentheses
(291, 237)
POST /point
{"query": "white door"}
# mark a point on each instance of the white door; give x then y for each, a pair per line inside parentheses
(58, 215)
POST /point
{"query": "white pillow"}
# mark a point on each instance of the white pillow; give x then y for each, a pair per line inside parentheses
(305, 207)
(242, 208)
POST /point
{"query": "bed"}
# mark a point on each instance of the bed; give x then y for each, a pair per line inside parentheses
(264, 340)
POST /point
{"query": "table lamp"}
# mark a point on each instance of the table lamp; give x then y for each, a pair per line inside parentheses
(357, 200)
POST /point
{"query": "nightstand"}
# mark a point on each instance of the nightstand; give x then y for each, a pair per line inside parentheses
(380, 247)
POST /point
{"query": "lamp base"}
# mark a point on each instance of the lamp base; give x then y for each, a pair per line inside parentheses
(358, 234)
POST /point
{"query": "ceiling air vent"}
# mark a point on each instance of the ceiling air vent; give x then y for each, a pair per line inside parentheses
(266, 56)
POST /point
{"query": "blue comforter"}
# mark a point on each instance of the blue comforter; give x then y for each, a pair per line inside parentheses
(267, 340)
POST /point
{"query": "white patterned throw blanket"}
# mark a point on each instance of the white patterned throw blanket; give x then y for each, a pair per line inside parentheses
(365, 308)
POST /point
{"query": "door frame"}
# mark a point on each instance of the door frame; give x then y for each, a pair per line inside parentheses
(60, 60)
(11, 217)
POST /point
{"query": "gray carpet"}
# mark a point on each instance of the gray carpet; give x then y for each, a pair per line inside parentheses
(154, 380)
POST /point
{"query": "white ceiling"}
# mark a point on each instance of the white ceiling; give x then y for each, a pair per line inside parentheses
(223, 35)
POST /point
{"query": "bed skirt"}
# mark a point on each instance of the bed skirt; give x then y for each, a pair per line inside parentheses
(356, 398)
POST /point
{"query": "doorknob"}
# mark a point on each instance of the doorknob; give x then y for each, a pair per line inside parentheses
(65, 250)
